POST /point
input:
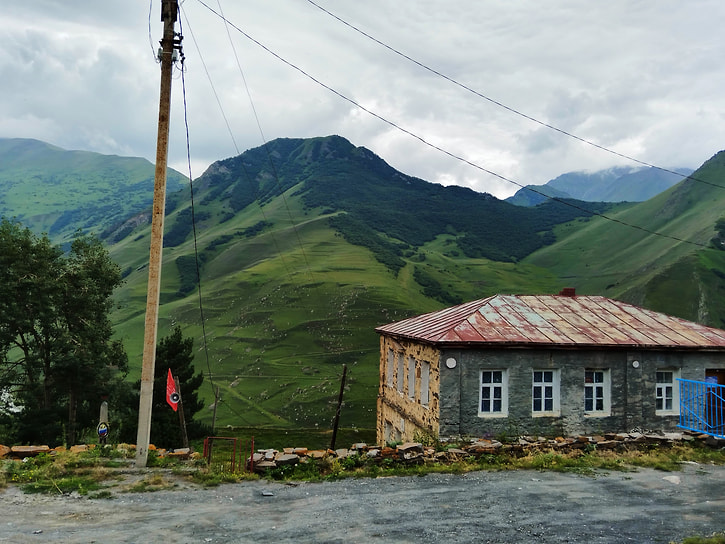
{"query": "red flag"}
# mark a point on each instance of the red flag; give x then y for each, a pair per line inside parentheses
(172, 396)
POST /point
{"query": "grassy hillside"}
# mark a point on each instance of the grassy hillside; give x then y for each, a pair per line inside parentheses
(289, 295)
(287, 308)
(56, 191)
(305, 246)
(657, 272)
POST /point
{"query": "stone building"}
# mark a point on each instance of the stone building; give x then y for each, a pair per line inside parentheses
(543, 365)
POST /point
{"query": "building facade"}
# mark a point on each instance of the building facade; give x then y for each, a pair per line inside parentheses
(543, 365)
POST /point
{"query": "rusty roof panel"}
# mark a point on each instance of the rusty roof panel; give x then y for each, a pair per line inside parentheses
(551, 320)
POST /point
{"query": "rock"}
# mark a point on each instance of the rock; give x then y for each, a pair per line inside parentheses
(28, 451)
(410, 447)
(4, 451)
(264, 465)
(715, 442)
(180, 453)
(287, 459)
(343, 453)
(372, 453)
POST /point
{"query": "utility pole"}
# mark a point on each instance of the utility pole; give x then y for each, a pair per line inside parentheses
(167, 53)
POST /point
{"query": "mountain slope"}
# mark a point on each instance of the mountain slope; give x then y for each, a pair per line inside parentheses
(676, 272)
(617, 184)
(301, 261)
(56, 191)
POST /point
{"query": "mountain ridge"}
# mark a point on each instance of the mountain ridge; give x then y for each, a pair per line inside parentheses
(300, 259)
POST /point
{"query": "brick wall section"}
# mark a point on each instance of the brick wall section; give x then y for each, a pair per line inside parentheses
(400, 418)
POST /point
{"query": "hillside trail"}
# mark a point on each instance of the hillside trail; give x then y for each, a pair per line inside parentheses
(487, 507)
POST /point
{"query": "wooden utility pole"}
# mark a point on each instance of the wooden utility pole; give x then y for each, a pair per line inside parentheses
(169, 10)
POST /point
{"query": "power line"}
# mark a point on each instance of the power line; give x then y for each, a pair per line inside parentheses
(500, 104)
(266, 147)
(193, 219)
(438, 148)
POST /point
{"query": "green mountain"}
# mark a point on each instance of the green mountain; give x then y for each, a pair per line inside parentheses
(616, 184)
(678, 270)
(56, 191)
(305, 246)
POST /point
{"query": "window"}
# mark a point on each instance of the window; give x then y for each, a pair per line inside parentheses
(390, 368)
(596, 392)
(545, 392)
(411, 378)
(494, 393)
(424, 382)
(401, 372)
(667, 398)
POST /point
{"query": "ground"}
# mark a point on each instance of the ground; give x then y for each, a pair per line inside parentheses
(483, 507)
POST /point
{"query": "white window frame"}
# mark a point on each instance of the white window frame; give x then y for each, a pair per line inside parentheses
(411, 377)
(390, 368)
(424, 383)
(545, 383)
(400, 373)
(600, 390)
(661, 396)
(491, 390)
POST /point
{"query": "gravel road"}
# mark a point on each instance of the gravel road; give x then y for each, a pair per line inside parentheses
(482, 507)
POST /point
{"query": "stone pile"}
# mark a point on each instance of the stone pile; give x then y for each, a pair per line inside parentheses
(417, 453)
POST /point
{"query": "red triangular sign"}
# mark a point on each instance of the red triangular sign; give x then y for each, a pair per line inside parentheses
(172, 395)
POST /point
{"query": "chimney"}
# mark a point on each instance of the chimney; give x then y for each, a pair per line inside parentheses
(568, 292)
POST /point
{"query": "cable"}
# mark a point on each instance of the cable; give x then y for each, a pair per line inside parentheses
(500, 104)
(193, 218)
(440, 149)
(234, 142)
(266, 147)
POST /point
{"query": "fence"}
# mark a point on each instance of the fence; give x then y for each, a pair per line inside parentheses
(702, 407)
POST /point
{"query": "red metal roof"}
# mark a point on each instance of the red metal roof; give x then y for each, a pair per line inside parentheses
(555, 320)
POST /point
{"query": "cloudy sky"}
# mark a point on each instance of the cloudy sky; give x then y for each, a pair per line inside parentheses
(642, 78)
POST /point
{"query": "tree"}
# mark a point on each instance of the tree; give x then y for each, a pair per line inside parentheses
(57, 358)
(176, 353)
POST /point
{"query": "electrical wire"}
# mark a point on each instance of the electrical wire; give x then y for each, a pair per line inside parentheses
(193, 220)
(440, 149)
(502, 105)
(266, 147)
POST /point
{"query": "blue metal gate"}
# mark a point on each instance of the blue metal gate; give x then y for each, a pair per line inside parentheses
(702, 407)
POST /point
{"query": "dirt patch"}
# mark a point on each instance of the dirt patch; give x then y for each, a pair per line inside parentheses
(486, 507)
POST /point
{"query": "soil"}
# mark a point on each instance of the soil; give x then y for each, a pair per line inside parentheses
(483, 507)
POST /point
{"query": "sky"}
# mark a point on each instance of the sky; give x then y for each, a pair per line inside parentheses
(644, 79)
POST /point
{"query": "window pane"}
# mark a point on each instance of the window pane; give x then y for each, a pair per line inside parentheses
(549, 405)
(588, 404)
(537, 392)
(486, 393)
(497, 376)
(658, 403)
(537, 405)
(548, 377)
(497, 392)
(486, 377)
(496, 405)
(485, 405)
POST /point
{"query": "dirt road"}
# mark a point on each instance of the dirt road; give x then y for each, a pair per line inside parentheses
(481, 507)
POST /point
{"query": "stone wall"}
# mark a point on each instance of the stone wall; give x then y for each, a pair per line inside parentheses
(402, 410)
(632, 379)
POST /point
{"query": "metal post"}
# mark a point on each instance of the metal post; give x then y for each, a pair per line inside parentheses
(182, 418)
(169, 9)
(339, 406)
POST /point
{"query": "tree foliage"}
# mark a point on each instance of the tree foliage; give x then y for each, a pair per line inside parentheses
(176, 353)
(57, 358)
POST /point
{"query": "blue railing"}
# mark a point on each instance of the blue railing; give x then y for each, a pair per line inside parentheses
(702, 407)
